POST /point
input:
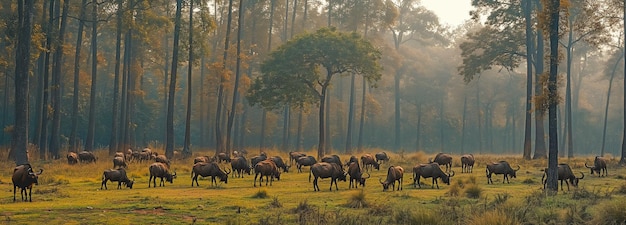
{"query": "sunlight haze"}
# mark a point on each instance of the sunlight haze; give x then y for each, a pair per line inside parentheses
(451, 12)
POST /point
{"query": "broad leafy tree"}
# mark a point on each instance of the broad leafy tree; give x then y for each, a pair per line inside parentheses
(300, 71)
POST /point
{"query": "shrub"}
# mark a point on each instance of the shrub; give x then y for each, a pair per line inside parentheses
(454, 190)
(275, 203)
(528, 181)
(610, 213)
(260, 194)
(495, 217)
(357, 200)
(473, 191)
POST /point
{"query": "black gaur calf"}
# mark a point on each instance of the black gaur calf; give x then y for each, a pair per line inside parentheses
(430, 170)
(24, 178)
(118, 175)
(87, 157)
(160, 170)
(211, 169)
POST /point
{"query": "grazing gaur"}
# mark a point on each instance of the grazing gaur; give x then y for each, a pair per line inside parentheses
(305, 161)
(128, 155)
(154, 155)
(501, 167)
(162, 159)
(353, 159)
(223, 157)
(356, 175)
(256, 159)
(160, 170)
(86, 157)
(443, 159)
(144, 156)
(369, 161)
(136, 156)
(268, 169)
(240, 165)
(294, 156)
(201, 159)
(72, 158)
(327, 170)
(394, 173)
(430, 170)
(467, 163)
(333, 159)
(119, 162)
(148, 150)
(381, 156)
(120, 154)
(208, 169)
(564, 173)
(24, 177)
(118, 175)
(599, 166)
(279, 163)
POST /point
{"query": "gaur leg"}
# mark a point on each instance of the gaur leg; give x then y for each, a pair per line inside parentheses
(14, 190)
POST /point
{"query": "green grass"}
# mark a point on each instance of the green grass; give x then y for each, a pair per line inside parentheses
(70, 194)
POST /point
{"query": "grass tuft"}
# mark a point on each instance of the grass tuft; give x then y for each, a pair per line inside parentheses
(621, 189)
(471, 180)
(529, 181)
(455, 189)
(473, 191)
(610, 213)
(420, 216)
(357, 200)
(494, 217)
(260, 194)
(275, 203)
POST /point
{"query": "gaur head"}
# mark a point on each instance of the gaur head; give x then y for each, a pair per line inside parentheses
(446, 179)
(385, 185)
(170, 178)
(514, 172)
(362, 180)
(130, 183)
(575, 180)
(34, 176)
(592, 168)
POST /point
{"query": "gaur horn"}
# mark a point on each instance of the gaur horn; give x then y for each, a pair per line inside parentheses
(583, 176)
(587, 166)
(451, 174)
(518, 167)
(368, 176)
(380, 180)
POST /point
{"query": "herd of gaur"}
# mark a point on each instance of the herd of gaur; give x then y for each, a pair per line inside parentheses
(271, 168)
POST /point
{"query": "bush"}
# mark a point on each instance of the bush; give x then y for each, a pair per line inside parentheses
(357, 200)
(610, 213)
(473, 191)
(528, 181)
(454, 190)
(275, 203)
(260, 194)
(495, 217)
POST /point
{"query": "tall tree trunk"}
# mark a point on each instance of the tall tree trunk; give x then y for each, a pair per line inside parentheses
(79, 43)
(299, 135)
(220, 93)
(286, 118)
(233, 106)
(91, 129)
(622, 160)
(113, 142)
(187, 145)
(44, 82)
(55, 143)
(478, 113)
(553, 160)
(203, 116)
(606, 107)
(418, 128)
(362, 116)
(568, 94)
(529, 79)
(169, 146)
(540, 143)
(327, 137)
(441, 125)
(350, 115)
(22, 64)
(122, 145)
(269, 48)
(397, 134)
(463, 125)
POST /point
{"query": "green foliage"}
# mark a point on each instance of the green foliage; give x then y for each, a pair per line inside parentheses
(292, 75)
(260, 194)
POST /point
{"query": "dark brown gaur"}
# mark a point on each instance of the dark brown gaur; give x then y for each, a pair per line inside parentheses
(394, 173)
(268, 169)
(240, 166)
(280, 163)
(162, 159)
(356, 175)
(118, 175)
(369, 161)
(305, 161)
(353, 159)
(24, 178)
(119, 162)
(431, 170)
(160, 170)
(566, 174)
(201, 159)
(211, 169)
(467, 163)
(223, 157)
(333, 159)
(86, 157)
(599, 166)
(501, 167)
(294, 156)
(327, 170)
(72, 158)
(256, 159)
(381, 156)
(443, 159)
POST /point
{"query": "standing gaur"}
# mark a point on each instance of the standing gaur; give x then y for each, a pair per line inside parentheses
(240, 166)
(501, 167)
(160, 170)
(162, 159)
(443, 159)
(256, 159)
(599, 166)
(467, 163)
(294, 156)
(564, 173)
(369, 161)
(305, 161)
(86, 157)
(208, 169)
(356, 175)
(223, 157)
(394, 173)
(72, 158)
(327, 170)
(24, 177)
(279, 163)
(268, 169)
(430, 170)
(118, 175)
(333, 159)
(119, 162)
(381, 156)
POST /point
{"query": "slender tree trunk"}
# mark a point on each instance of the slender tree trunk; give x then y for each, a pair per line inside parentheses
(327, 141)
(220, 93)
(568, 95)
(233, 107)
(299, 135)
(553, 160)
(478, 113)
(263, 128)
(441, 125)
(169, 146)
(269, 48)
(362, 116)
(463, 125)
(322, 123)
(529, 79)
(622, 160)
(418, 134)
(113, 142)
(397, 136)
(187, 145)
(122, 145)
(55, 143)
(44, 82)
(606, 107)
(22, 64)
(540, 143)
(79, 43)
(350, 115)
(286, 117)
(91, 129)
(203, 116)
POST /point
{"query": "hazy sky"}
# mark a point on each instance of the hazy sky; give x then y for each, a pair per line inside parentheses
(452, 12)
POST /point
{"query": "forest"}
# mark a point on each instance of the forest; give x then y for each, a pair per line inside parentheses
(180, 76)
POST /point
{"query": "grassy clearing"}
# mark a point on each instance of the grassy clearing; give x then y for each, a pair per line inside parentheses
(71, 195)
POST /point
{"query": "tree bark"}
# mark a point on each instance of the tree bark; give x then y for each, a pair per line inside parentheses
(233, 106)
(553, 160)
(540, 143)
(606, 107)
(113, 142)
(169, 147)
(187, 145)
(55, 142)
(529, 79)
(79, 41)
(91, 129)
(362, 118)
(622, 161)
(350, 115)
